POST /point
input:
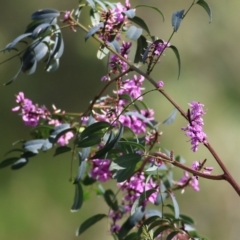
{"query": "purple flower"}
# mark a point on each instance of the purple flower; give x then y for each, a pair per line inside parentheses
(100, 170)
(196, 166)
(31, 114)
(155, 50)
(187, 180)
(115, 216)
(135, 186)
(159, 47)
(131, 87)
(64, 139)
(195, 127)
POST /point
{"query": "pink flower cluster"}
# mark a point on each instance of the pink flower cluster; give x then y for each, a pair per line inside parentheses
(192, 181)
(32, 114)
(113, 19)
(194, 129)
(100, 170)
(134, 187)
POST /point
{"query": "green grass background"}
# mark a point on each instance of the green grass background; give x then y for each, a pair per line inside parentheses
(35, 201)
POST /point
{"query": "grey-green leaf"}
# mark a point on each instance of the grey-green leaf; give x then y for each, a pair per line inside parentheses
(171, 118)
(78, 198)
(45, 13)
(175, 50)
(133, 33)
(203, 4)
(93, 30)
(176, 19)
(89, 222)
(130, 13)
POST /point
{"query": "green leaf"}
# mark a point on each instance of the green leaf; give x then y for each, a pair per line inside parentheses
(154, 8)
(88, 181)
(124, 174)
(89, 141)
(78, 198)
(186, 219)
(159, 222)
(100, 190)
(203, 4)
(175, 205)
(169, 216)
(150, 220)
(9, 161)
(89, 222)
(141, 23)
(93, 128)
(111, 199)
(132, 236)
(134, 144)
(61, 150)
(141, 46)
(161, 229)
(172, 235)
(127, 160)
(14, 150)
(175, 50)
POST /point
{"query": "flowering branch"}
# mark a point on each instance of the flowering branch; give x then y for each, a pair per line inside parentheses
(227, 176)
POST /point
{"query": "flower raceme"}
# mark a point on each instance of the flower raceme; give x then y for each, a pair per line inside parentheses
(194, 129)
(32, 115)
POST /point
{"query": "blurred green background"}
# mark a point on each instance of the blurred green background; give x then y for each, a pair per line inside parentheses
(35, 201)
